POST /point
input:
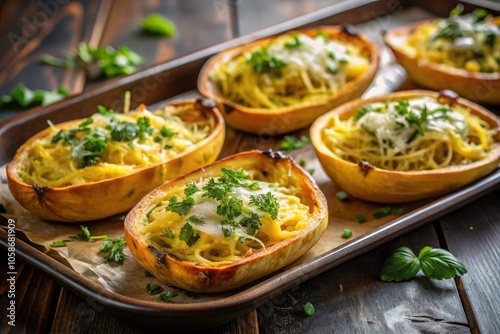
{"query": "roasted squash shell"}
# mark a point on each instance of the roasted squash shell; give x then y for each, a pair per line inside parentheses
(96, 200)
(165, 266)
(479, 87)
(378, 185)
(286, 119)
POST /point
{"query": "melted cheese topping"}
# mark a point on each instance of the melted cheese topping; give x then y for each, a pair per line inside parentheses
(213, 248)
(51, 163)
(458, 42)
(302, 68)
(390, 139)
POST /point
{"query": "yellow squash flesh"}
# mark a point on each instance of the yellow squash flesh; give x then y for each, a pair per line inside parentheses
(96, 200)
(480, 87)
(384, 186)
(286, 119)
(195, 277)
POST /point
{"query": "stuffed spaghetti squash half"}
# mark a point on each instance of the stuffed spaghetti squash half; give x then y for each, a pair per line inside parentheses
(101, 166)
(407, 145)
(283, 83)
(227, 224)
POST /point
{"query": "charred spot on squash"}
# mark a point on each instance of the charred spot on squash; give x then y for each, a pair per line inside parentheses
(160, 257)
(130, 193)
(40, 190)
(274, 154)
(365, 167)
(228, 109)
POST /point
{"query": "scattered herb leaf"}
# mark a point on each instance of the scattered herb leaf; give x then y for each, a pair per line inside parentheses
(113, 249)
(346, 233)
(167, 296)
(360, 218)
(435, 263)
(27, 98)
(153, 289)
(292, 143)
(262, 62)
(382, 212)
(188, 235)
(309, 308)
(59, 243)
(158, 25)
(342, 195)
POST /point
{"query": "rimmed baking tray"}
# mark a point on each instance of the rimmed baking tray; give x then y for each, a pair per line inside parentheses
(180, 76)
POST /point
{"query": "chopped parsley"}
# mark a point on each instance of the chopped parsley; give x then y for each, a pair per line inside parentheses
(232, 211)
(153, 289)
(113, 249)
(308, 309)
(292, 143)
(382, 212)
(262, 62)
(360, 218)
(342, 195)
(168, 233)
(27, 98)
(294, 43)
(346, 233)
(167, 296)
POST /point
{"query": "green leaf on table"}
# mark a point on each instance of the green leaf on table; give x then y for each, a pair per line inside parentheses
(440, 264)
(27, 98)
(156, 24)
(109, 61)
(435, 263)
(292, 143)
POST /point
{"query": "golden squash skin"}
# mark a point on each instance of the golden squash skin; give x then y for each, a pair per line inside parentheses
(365, 181)
(203, 278)
(477, 86)
(100, 199)
(285, 119)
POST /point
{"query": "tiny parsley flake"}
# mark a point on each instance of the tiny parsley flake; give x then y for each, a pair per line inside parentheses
(27, 98)
(360, 218)
(167, 296)
(309, 308)
(382, 212)
(188, 235)
(180, 207)
(346, 233)
(435, 263)
(59, 243)
(153, 289)
(342, 195)
(168, 233)
(292, 143)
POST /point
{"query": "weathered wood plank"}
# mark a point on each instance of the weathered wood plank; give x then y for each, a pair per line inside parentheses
(472, 233)
(353, 299)
(35, 295)
(77, 315)
(45, 27)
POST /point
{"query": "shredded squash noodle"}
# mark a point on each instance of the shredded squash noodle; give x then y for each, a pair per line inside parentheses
(219, 220)
(469, 42)
(410, 135)
(292, 69)
(108, 145)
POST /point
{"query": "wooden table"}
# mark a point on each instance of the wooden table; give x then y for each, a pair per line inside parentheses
(349, 298)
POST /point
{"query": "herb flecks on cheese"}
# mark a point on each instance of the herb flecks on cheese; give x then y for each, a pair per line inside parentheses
(219, 219)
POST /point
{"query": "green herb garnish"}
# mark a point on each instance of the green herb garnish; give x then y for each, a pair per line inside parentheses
(153, 289)
(113, 249)
(342, 195)
(346, 233)
(292, 143)
(382, 212)
(360, 218)
(267, 203)
(180, 207)
(294, 43)
(188, 234)
(262, 62)
(60, 243)
(156, 24)
(309, 309)
(168, 233)
(167, 296)
(27, 98)
(110, 62)
(435, 263)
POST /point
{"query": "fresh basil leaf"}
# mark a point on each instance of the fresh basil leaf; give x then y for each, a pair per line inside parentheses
(440, 264)
(400, 266)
